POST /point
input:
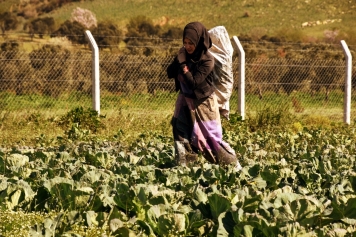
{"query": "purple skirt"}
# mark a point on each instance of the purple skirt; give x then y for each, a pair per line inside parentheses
(198, 122)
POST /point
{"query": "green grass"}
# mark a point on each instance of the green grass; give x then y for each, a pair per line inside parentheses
(131, 115)
(20, 223)
(271, 17)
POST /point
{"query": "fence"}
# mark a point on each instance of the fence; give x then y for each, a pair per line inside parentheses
(45, 80)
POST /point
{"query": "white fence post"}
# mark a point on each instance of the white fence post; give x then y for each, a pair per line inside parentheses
(347, 96)
(95, 71)
(241, 80)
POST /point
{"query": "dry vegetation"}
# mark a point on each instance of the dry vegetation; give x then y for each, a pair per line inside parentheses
(252, 17)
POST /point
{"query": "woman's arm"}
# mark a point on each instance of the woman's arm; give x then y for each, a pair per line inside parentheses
(199, 74)
(173, 69)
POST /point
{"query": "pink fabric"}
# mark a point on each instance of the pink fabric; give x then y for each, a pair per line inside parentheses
(205, 134)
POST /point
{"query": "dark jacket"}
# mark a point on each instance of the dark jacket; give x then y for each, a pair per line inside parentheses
(200, 75)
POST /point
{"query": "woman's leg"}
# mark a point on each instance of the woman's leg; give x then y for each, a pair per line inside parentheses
(207, 132)
(182, 129)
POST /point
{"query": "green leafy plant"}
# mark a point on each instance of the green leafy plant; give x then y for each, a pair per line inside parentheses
(79, 123)
(298, 182)
(269, 115)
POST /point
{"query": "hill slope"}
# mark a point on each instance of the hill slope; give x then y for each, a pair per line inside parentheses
(247, 17)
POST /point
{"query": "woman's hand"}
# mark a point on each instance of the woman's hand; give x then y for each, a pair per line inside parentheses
(181, 55)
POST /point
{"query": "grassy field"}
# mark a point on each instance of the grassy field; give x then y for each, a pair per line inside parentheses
(84, 185)
(298, 155)
(31, 120)
(239, 17)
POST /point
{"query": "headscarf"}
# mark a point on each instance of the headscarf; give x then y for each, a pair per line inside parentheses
(199, 35)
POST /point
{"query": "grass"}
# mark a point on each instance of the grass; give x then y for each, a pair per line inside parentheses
(239, 17)
(270, 15)
(20, 223)
(42, 128)
(125, 117)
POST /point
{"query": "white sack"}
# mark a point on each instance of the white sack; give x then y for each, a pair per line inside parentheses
(222, 51)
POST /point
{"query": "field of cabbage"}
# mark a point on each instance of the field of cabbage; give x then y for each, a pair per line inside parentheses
(299, 181)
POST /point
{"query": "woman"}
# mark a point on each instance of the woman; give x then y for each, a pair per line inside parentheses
(196, 120)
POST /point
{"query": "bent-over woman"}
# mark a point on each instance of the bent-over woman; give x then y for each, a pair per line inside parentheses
(196, 120)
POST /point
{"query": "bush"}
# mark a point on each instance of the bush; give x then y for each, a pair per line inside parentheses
(140, 31)
(268, 116)
(107, 35)
(291, 35)
(8, 21)
(74, 31)
(41, 26)
(173, 33)
(11, 45)
(80, 121)
(85, 17)
(52, 62)
(48, 52)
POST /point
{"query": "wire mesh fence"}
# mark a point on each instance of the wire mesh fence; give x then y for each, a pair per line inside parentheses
(307, 86)
(60, 81)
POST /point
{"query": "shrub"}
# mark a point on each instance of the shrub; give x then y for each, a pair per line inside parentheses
(74, 31)
(11, 45)
(290, 34)
(85, 17)
(8, 21)
(140, 31)
(51, 61)
(107, 35)
(50, 52)
(27, 11)
(170, 37)
(41, 26)
(268, 116)
(330, 36)
(80, 121)
(172, 33)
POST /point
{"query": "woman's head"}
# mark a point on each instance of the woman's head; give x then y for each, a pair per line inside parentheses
(196, 37)
(189, 45)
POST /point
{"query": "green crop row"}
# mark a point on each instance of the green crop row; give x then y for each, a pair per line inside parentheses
(296, 181)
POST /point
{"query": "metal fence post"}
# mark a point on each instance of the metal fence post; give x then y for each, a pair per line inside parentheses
(95, 71)
(347, 96)
(241, 80)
